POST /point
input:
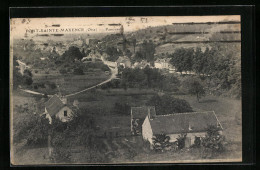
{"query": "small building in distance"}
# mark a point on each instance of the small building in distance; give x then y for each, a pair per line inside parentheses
(138, 115)
(142, 64)
(57, 107)
(163, 63)
(194, 124)
(123, 61)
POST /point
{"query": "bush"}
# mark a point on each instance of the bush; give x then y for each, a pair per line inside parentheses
(161, 142)
(168, 105)
(122, 108)
(78, 71)
(197, 142)
(181, 141)
(213, 140)
(63, 71)
(52, 85)
(27, 80)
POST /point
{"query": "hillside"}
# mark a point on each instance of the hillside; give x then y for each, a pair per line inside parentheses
(170, 37)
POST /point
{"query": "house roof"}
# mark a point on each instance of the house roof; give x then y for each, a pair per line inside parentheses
(142, 112)
(53, 105)
(184, 122)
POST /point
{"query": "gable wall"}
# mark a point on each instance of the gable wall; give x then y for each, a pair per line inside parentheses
(147, 130)
(60, 114)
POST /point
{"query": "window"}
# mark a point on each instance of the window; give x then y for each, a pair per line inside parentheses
(65, 113)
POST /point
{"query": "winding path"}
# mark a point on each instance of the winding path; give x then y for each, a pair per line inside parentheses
(113, 76)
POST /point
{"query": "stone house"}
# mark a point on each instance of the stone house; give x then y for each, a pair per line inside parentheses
(194, 124)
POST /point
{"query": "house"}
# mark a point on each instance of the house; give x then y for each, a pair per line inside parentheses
(123, 61)
(163, 63)
(57, 107)
(141, 64)
(194, 124)
(22, 66)
(138, 115)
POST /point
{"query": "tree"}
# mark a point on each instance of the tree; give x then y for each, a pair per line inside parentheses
(113, 53)
(177, 59)
(27, 77)
(198, 61)
(169, 105)
(194, 87)
(34, 128)
(17, 76)
(72, 53)
(134, 43)
(161, 142)
(188, 59)
(148, 50)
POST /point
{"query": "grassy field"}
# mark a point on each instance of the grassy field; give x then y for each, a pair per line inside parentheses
(68, 83)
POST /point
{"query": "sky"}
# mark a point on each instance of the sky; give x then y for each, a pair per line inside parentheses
(33, 26)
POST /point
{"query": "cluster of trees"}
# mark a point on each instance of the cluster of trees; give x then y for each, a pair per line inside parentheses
(138, 78)
(146, 52)
(113, 53)
(72, 53)
(144, 78)
(18, 78)
(167, 104)
(220, 65)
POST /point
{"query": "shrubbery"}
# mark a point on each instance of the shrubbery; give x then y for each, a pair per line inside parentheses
(168, 105)
(213, 140)
(161, 142)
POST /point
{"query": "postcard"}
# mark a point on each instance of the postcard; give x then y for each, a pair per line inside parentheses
(125, 90)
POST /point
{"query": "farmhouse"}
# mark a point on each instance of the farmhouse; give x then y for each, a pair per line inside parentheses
(56, 107)
(138, 115)
(194, 124)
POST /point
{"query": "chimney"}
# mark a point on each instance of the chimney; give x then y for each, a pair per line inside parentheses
(149, 113)
(150, 116)
(64, 100)
(76, 103)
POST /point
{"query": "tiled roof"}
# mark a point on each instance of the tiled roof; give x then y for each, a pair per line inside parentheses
(183, 122)
(54, 105)
(142, 112)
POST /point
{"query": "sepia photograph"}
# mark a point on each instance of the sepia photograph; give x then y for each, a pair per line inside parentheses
(125, 90)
